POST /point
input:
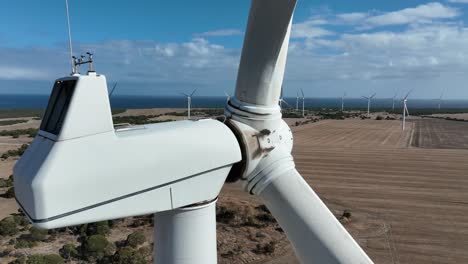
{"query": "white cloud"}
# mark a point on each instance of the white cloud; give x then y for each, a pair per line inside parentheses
(421, 13)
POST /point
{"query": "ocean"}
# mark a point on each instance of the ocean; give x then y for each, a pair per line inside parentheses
(12, 101)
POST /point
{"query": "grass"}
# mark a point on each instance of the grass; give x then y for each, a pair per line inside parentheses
(12, 122)
(15, 113)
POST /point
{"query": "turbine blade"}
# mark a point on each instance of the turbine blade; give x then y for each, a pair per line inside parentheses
(302, 91)
(194, 91)
(113, 89)
(373, 95)
(184, 94)
(408, 94)
(286, 103)
(264, 52)
(315, 233)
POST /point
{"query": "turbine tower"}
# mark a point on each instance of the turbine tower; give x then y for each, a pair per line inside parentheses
(441, 97)
(342, 101)
(405, 110)
(393, 100)
(178, 168)
(297, 101)
(189, 101)
(303, 103)
(369, 99)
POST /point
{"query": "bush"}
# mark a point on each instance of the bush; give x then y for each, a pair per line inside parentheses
(31, 132)
(10, 193)
(45, 259)
(14, 153)
(379, 118)
(68, 251)
(8, 227)
(128, 255)
(37, 234)
(19, 260)
(135, 239)
(267, 248)
(98, 228)
(96, 247)
(225, 215)
(23, 243)
(6, 183)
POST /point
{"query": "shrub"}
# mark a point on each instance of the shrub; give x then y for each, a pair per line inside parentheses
(20, 220)
(128, 255)
(98, 228)
(45, 259)
(225, 215)
(8, 227)
(267, 248)
(10, 193)
(31, 132)
(5, 183)
(19, 260)
(37, 234)
(16, 152)
(68, 251)
(96, 247)
(23, 243)
(379, 118)
(135, 239)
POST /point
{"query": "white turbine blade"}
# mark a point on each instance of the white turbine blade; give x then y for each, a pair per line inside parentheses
(226, 93)
(317, 236)
(408, 94)
(365, 97)
(113, 89)
(302, 91)
(194, 91)
(264, 53)
(372, 96)
(286, 103)
(184, 94)
(406, 109)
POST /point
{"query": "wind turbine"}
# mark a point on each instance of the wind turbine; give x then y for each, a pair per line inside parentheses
(369, 98)
(179, 168)
(113, 89)
(297, 101)
(303, 103)
(189, 102)
(405, 110)
(228, 96)
(342, 101)
(441, 97)
(281, 100)
(393, 100)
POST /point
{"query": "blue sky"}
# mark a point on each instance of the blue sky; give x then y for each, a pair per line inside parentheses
(166, 47)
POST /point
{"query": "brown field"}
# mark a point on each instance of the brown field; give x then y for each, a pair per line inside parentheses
(438, 133)
(420, 194)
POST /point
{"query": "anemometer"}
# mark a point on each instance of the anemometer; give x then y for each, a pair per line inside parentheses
(80, 169)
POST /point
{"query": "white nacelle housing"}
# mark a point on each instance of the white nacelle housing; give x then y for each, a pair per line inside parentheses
(80, 169)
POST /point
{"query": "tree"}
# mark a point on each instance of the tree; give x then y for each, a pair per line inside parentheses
(8, 227)
(37, 234)
(44, 259)
(128, 255)
(96, 247)
(68, 251)
(135, 239)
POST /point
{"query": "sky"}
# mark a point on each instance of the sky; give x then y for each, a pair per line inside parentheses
(166, 47)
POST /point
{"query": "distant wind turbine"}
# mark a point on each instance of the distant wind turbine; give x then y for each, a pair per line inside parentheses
(342, 101)
(442, 96)
(405, 109)
(369, 98)
(189, 101)
(228, 96)
(281, 100)
(303, 103)
(393, 101)
(113, 89)
(297, 101)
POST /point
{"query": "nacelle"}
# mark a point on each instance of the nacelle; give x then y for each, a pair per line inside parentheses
(80, 169)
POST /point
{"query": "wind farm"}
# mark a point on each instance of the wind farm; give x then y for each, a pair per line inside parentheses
(190, 172)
